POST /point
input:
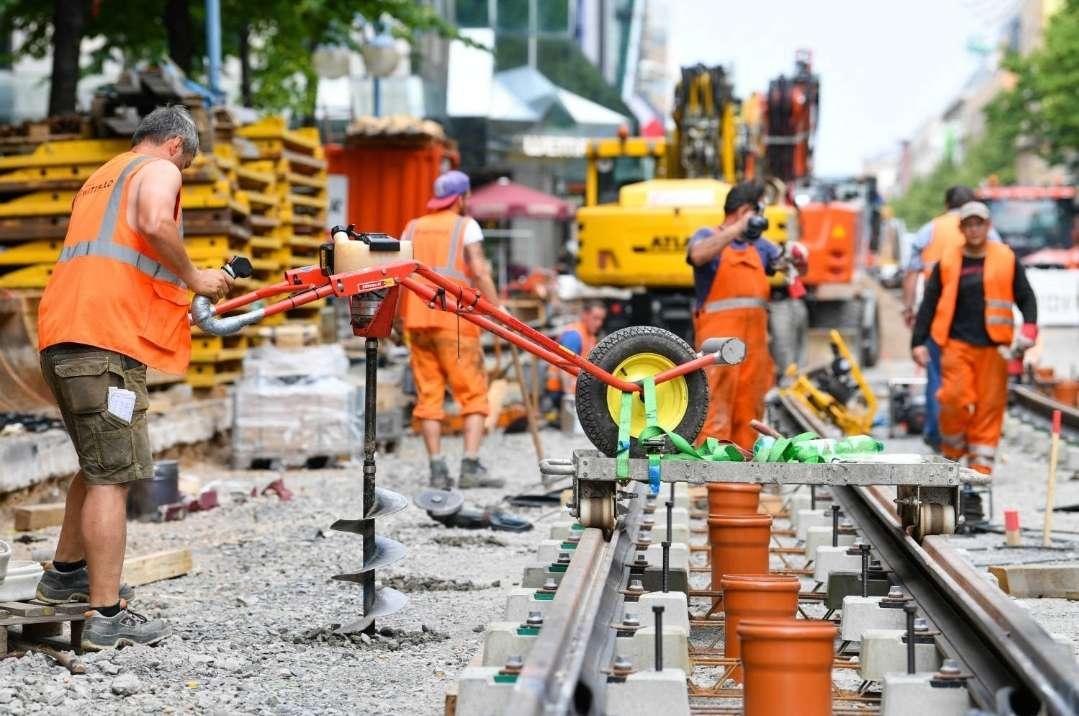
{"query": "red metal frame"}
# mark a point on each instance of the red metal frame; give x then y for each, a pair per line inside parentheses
(309, 284)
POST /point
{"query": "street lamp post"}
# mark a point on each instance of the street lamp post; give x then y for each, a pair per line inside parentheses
(380, 56)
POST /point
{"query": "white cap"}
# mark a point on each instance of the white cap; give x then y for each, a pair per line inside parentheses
(974, 208)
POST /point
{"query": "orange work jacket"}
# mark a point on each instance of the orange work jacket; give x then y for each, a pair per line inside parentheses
(437, 241)
(109, 288)
(997, 277)
(945, 234)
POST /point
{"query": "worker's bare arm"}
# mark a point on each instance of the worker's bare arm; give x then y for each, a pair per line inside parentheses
(154, 192)
(910, 285)
(704, 250)
(480, 271)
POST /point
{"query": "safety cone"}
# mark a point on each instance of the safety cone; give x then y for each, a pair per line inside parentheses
(753, 597)
(733, 498)
(788, 666)
(739, 545)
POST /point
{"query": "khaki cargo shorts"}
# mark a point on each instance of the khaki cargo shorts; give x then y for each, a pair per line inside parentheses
(111, 450)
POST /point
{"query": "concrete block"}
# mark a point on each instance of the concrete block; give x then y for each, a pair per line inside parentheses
(520, 602)
(680, 533)
(549, 549)
(834, 559)
(904, 694)
(884, 651)
(811, 518)
(798, 500)
(562, 530)
(822, 537)
(536, 576)
(679, 555)
(675, 609)
(501, 640)
(650, 692)
(478, 694)
(640, 648)
(863, 613)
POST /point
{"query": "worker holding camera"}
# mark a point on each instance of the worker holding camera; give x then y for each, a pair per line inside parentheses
(731, 264)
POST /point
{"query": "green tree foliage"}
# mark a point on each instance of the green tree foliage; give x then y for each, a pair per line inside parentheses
(1040, 113)
(282, 34)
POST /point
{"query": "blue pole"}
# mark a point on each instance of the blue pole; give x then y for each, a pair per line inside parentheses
(213, 46)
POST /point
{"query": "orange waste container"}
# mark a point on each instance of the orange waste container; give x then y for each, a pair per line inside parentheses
(788, 666)
(755, 596)
(733, 498)
(739, 544)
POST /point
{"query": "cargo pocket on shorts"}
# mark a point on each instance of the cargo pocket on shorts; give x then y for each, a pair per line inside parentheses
(166, 315)
(102, 440)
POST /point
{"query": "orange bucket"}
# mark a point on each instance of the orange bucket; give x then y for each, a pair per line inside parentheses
(753, 597)
(1065, 391)
(739, 544)
(733, 498)
(788, 666)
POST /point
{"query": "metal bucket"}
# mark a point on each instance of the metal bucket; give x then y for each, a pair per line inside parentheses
(145, 496)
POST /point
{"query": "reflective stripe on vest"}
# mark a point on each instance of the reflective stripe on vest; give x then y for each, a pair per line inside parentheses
(998, 273)
(730, 304)
(449, 270)
(104, 246)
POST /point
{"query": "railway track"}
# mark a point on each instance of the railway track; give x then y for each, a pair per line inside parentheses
(1011, 665)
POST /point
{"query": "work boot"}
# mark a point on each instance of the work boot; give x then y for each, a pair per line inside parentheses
(440, 475)
(125, 629)
(62, 587)
(474, 474)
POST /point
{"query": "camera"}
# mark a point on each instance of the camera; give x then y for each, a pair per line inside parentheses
(757, 225)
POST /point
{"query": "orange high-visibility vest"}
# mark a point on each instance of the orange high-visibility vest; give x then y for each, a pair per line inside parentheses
(998, 274)
(438, 241)
(588, 342)
(944, 235)
(108, 288)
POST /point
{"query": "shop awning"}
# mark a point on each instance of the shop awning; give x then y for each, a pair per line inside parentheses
(504, 199)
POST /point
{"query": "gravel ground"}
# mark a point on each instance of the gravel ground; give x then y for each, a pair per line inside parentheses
(253, 620)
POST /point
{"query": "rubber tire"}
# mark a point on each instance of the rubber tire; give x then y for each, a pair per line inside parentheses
(600, 428)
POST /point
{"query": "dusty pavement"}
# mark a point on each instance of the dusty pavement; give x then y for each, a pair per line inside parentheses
(252, 621)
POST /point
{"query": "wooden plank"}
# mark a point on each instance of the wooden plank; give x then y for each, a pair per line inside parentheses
(1038, 580)
(34, 517)
(156, 566)
(27, 609)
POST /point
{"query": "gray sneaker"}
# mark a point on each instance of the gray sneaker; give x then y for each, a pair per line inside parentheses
(440, 475)
(63, 587)
(125, 629)
(474, 474)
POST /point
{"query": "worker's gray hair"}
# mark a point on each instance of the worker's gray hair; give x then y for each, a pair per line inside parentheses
(164, 123)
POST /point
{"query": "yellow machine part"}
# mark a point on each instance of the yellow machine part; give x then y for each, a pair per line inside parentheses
(672, 397)
(642, 240)
(601, 149)
(73, 152)
(851, 419)
(32, 252)
(35, 276)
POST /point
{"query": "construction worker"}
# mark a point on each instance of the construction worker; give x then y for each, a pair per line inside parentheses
(788, 317)
(444, 349)
(967, 311)
(580, 338)
(926, 249)
(730, 270)
(116, 303)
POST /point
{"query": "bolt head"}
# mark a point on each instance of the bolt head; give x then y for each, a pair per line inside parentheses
(950, 667)
(636, 586)
(920, 624)
(621, 662)
(515, 662)
(534, 619)
(550, 584)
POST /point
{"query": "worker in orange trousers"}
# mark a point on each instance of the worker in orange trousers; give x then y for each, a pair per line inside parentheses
(967, 310)
(444, 349)
(730, 273)
(580, 338)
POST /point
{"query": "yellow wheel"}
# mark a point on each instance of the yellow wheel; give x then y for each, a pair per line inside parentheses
(632, 354)
(672, 397)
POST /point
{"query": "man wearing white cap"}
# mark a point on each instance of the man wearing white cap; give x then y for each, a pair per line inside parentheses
(444, 349)
(967, 309)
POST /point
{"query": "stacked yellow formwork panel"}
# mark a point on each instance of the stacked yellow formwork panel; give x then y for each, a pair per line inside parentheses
(297, 163)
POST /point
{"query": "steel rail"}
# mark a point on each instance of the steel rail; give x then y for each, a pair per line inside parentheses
(1043, 405)
(999, 644)
(564, 672)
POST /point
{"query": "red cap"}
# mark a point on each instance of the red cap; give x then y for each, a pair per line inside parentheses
(1011, 520)
(1056, 422)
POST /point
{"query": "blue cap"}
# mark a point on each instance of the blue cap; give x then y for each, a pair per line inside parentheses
(448, 187)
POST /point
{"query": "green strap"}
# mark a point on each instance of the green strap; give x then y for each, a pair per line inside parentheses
(625, 417)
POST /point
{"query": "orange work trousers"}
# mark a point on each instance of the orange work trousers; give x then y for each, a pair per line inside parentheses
(736, 392)
(973, 396)
(439, 358)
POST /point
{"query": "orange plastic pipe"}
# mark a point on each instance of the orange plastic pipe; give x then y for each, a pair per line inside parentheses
(754, 596)
(788, 666)
(733, 498)
(739, 545)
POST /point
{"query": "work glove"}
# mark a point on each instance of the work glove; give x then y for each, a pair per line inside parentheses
(799, 255)
(1028, 336)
